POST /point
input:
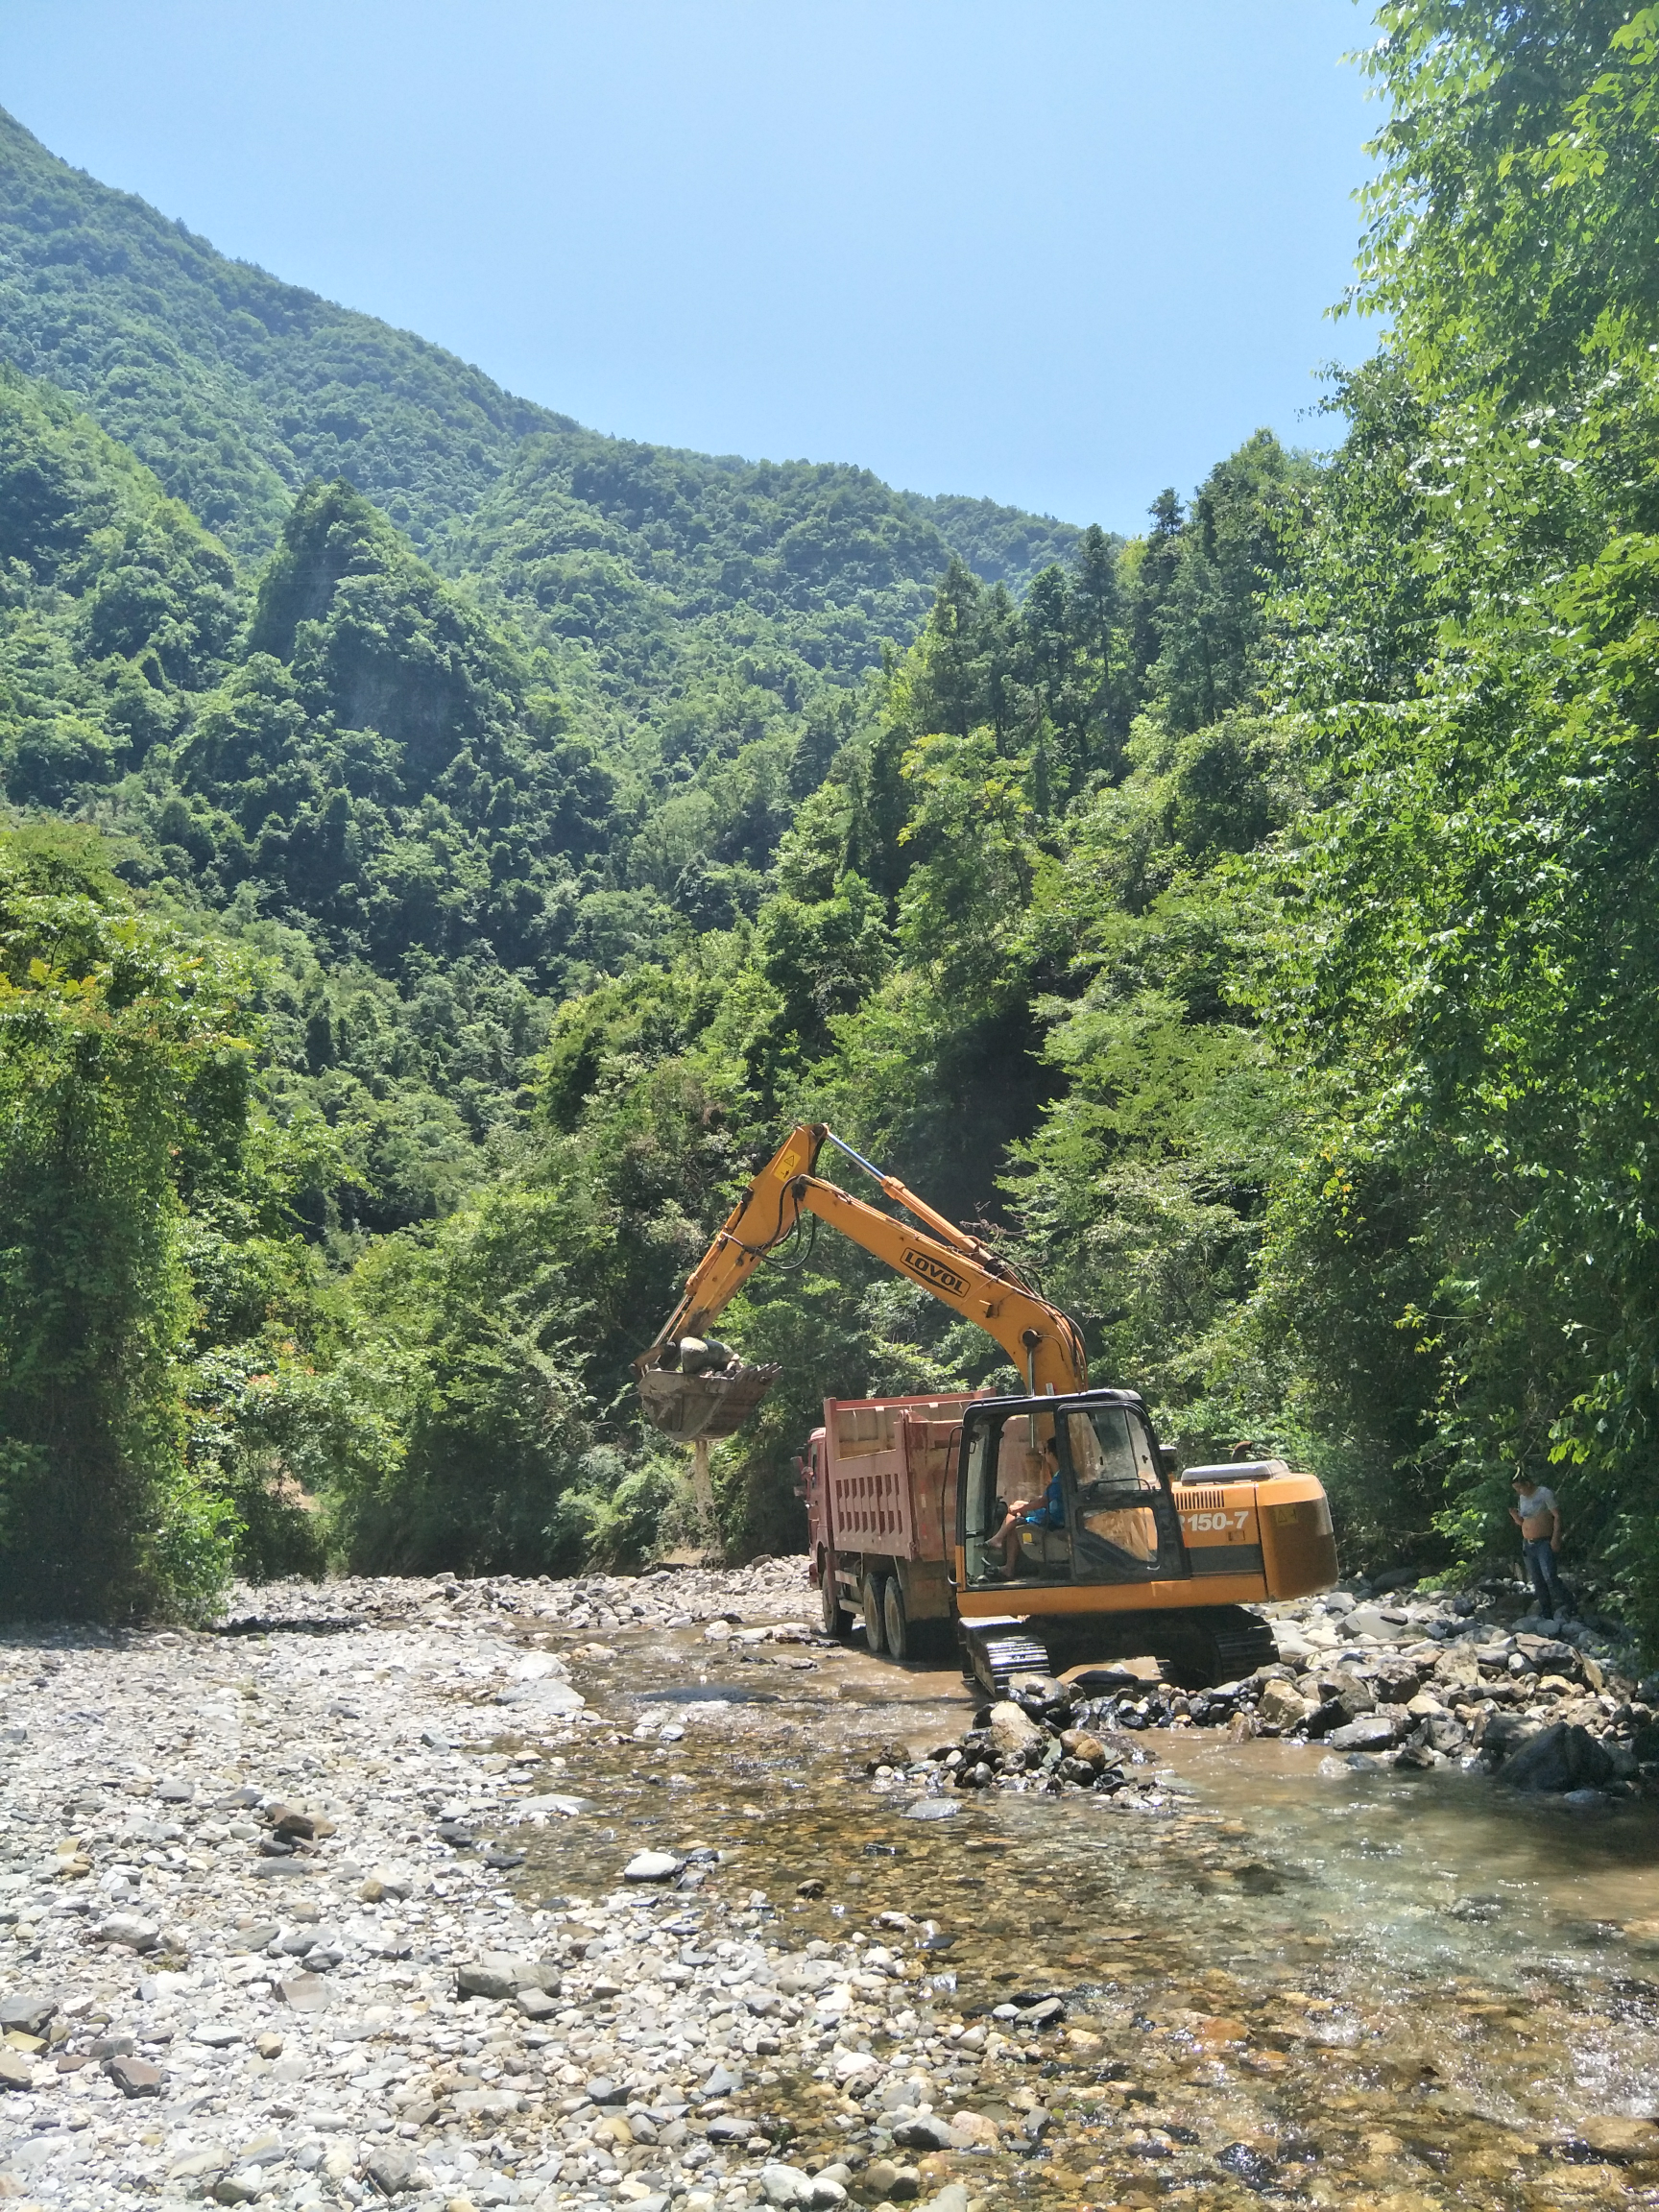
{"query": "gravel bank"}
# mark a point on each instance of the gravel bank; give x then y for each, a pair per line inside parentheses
(258, 1939)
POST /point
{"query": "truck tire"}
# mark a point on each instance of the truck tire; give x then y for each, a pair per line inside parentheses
(873, 1593)
(896, 1632)
(837, 1622)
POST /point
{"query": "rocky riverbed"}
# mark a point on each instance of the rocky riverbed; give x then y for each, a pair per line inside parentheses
(639, 1893)
(1414, 1684)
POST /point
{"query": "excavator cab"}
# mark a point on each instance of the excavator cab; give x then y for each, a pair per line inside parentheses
(1097, 1506)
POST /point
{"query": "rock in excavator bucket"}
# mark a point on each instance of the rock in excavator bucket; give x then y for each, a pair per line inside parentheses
(688, 1407)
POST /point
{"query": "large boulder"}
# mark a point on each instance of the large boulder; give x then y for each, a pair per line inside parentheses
(1561, 1758)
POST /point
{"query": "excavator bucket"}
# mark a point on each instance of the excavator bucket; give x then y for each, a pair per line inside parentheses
(710, 1407)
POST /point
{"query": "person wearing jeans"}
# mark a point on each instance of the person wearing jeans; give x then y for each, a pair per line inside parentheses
(1538, 1516)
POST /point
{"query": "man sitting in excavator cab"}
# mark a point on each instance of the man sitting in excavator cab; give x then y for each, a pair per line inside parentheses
(1022, 1514)
(1100, 1458)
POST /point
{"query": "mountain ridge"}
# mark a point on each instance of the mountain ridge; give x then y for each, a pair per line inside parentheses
(236, 387)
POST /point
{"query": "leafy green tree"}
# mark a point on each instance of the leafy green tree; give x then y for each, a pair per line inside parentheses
(119, 1054)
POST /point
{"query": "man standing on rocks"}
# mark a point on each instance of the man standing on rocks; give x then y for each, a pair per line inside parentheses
(1538, 1516)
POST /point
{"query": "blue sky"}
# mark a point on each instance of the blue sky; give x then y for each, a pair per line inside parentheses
(1060, 252)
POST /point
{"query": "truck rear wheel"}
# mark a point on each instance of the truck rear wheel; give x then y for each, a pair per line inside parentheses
(894, 1623)
(874, 1639)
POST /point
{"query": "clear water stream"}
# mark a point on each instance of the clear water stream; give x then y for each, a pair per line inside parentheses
(1393, 1991)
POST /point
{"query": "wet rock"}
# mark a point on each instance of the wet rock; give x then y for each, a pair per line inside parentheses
(1374, 1732)
(887, 2178)
(1254, 2168)
(1012, 1730)
(1621, 2140)
(1562, 1758)
(1086, 1748)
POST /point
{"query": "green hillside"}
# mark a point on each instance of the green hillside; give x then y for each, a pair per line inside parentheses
(444, 849)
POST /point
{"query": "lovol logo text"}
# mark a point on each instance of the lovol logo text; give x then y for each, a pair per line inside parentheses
(937, 1276)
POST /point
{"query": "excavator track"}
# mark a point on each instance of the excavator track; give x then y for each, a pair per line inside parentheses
(999, 1649)
(1224, 1643)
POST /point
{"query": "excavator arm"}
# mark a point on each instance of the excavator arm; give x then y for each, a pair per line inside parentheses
(957, 1269)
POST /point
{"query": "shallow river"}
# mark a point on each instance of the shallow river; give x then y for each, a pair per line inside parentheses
(1368, 1989)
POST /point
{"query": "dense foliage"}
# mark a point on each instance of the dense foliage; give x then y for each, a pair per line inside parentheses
(486, 843)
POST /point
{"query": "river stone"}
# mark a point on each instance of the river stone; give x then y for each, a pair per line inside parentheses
(1283, 1706)
(16, 2071)
(805, 1977)
(931, 1809)
(500, 1974)
(1372, 1732)
(1012, 1730)
(395, 2170)
(881, 2178)
(305, 1992)
(928, 2131)
(652, 1866)
(977, 2130)
(488, 2103)
(1563, 1757)
(550, 1695)
(27, 2011)
(245, 2187)
(1617, 2138)
(849, 2065)
(1368, 1621)
(128, 1931)
(134, 2077)
(194, 2165)
(784, 2185)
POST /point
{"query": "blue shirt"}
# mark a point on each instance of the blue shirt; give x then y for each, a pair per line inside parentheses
(1051, 1513)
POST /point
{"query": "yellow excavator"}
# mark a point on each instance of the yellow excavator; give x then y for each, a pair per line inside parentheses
(1050, 1526)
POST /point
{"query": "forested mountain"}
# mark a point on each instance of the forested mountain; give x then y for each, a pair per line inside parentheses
(442, 862)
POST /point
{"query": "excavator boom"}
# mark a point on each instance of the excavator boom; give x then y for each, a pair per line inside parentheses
(956, 1269)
